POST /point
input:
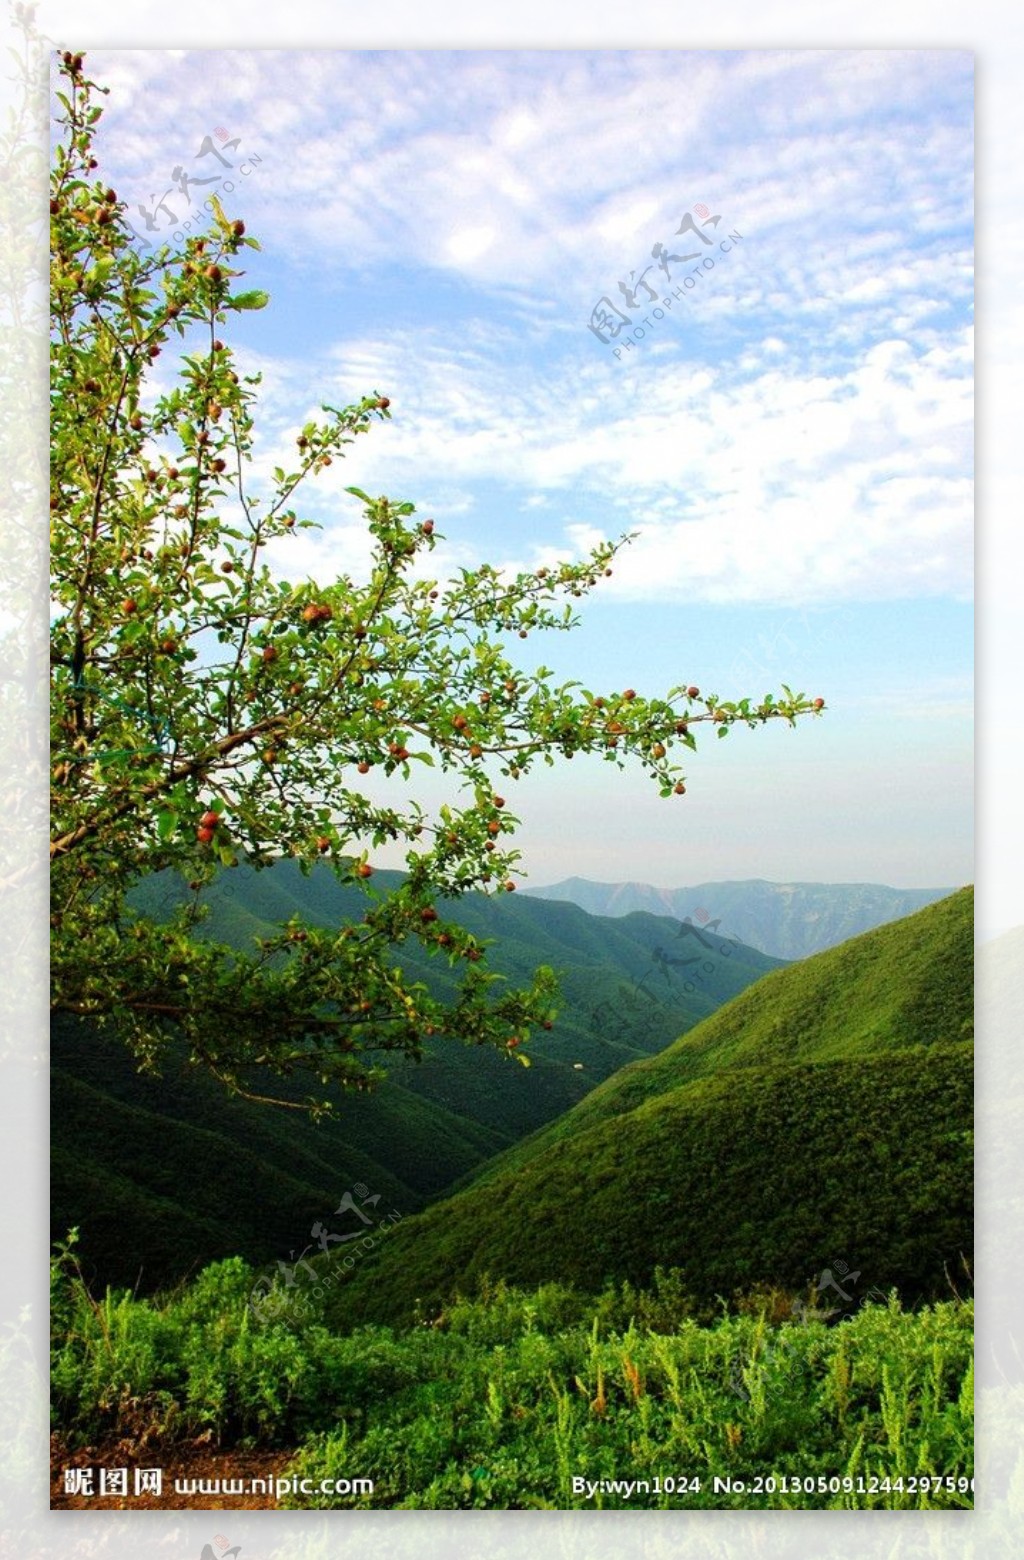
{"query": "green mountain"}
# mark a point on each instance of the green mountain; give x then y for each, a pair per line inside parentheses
(822, 1117)
(629, 986)
(789, 920)
(162, 1174)
(907, 984)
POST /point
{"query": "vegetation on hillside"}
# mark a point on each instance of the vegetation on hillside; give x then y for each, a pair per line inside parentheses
(508, 1397)
(766, 1175)
(907, 984)
(162, 1175)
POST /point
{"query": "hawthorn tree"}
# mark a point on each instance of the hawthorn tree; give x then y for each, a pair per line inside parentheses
(206, 713)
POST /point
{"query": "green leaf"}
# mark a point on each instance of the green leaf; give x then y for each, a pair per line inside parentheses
(358, 493)
(166, 823)
(256, 299)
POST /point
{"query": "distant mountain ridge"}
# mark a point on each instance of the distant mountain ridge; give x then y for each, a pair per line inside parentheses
(786, 920)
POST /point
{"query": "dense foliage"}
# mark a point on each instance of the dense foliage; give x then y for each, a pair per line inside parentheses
(823, 1114)
(765, 1175)
(206, 711)
(163, 1175)
(910, 983)
(506, 1398)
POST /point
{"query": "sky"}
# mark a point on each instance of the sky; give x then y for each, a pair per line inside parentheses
(718, 299)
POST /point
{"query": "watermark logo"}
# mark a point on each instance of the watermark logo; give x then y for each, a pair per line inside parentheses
(837, 1280)
(609, 320)
(156, 215)
(635, 1002)
(160, 731)
(296, 1283)
(90, 1481)
(220, 1549)
(764, 656)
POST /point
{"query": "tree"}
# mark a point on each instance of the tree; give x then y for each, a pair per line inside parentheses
(206, 713)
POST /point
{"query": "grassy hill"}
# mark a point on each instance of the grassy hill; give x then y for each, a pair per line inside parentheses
(823, 1116)
(164, 1174)
(903, 985)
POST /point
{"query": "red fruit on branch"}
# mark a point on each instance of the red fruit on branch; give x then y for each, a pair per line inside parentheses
(209, 820)
(204, 836)
(317, 612)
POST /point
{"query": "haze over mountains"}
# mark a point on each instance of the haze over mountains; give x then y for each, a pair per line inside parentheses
(787, 920)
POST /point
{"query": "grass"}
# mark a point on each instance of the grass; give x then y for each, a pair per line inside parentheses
(504, 1399)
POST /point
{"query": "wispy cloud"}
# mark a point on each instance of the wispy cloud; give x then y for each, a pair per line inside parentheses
(797, 430)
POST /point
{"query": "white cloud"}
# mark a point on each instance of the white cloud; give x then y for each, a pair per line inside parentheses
(798, 430)
(770, 485)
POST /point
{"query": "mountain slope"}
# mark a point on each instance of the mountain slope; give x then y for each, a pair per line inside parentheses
(620, 1001)
(788, 920)
(823, 1116)
(164, 1173)
(907, 984)
(763, 1178)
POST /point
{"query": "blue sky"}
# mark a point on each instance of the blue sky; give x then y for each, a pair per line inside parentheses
(791, 440)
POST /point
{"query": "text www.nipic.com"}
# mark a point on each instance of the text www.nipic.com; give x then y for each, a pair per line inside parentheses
(284, 1485)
